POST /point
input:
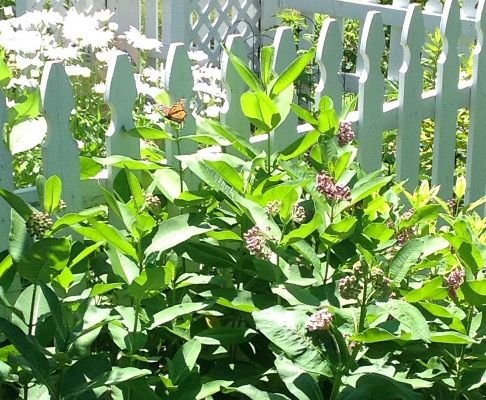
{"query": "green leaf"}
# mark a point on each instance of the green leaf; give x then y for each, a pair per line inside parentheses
(52, 194)
(292, 72)
(224, 336)
(287, 330)
(56, 312)
(257, 394)
(19, 205)
(301, 384)
(327, 119)
(177, 230)
(5, 73)
(114, 237)
(122, 266)
(89, 167)
(28, 109)
(135, 190)
(173, 312)
(405, 258)
(474, 292)
(304, 115)
(44, 259)
(29, 349)
(19, 239)
(374, 335)
(147, 133)
(339, 231)
(451, 337)
(184, 361)
(266, 55)
(373, 386)
(248, 76)
(303, 230)
(228, 173)
(123, 161)
(301, 145)
(259, 108)
(432, 290)
(409, 316)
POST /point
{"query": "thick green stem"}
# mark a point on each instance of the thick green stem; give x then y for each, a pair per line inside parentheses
(269, 152)
(328, 251)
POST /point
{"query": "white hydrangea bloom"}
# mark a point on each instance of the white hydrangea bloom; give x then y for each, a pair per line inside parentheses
(78, 70)
(138, 40)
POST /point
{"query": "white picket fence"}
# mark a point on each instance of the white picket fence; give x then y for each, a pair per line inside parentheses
(372, 118)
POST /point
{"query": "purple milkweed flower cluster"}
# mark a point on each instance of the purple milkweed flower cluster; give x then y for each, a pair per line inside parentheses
(327, 186)
(320, 321)
(346, 134)
(153, 203)
(257, 243)
(349, 287)
(455, 280)
(381, 283)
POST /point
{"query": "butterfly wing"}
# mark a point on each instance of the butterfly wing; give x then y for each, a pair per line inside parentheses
(176, 112)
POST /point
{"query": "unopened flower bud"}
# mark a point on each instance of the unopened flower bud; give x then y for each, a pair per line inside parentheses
(455, 280)
(298, 214)
(349, 287)
(256, 243)
(346, 134)
(38, 224)
(273, 208)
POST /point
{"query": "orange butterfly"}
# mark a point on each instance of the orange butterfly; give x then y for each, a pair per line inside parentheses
(176, 112)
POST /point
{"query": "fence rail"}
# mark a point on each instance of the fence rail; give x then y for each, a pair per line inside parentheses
(372, 118)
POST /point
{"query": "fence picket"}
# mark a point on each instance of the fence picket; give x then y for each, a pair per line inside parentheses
(235, 86)
(410, 99)
(179, 82)
(285, 53)
(328, 57)
(59, 150)
(443, 160)
(476, 149)
(120, 95)
(6, 177)
(371, 93)
(433, 6)
(152, 19)
(395, 56)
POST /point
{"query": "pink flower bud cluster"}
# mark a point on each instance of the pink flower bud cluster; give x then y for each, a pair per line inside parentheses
(455, 280)
(320, 321)
(327, 186)
(256, 243)
(346, 134)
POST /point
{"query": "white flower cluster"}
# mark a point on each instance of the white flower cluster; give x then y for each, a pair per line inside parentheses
(84, 42)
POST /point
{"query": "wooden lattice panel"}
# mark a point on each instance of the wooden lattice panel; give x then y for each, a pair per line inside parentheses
(212, 21)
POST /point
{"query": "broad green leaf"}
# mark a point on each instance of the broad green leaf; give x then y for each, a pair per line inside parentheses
(260, 109)
(292, 72)
(177, 230)
(30, 350)
(171, 313)
(266, 56)
(301, 384)
(423, 214)
(89, 167)
(5, 73)
(228, 173)
(122, 266)
(409, 316)
(468, 252)
(5, 265)
(19, 240)
(114, 237)
(56, 312)
(71, 219)
(85, 253)
(304, 114)
(451, 337)
(374, 335)
(328, 119)
(28, 109)
(27, 134)
(301, 145)
(44, 259)
(234, 138)
(448, 317)
(147, 133)
(432, 290)
(306, 250)
(168, 182)
(339, 231)
(52, 194)
(474, 292)
(248, 76)
(405, 258)
(184, 361)
(303, 230)
(287, 330)
(123, 161)
(257, 394)
(135, 189)
(103, 288)
(16, 202)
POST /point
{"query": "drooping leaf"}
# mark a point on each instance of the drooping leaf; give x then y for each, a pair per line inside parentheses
(259, 108)
(248, 76)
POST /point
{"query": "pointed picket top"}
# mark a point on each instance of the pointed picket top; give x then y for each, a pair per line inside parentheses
(234, 86)
(476, 147)
(60, 154)
(434, 6)
(285, 53)
(6, 176)
(179, 81)
(371, 93)
(328, 57)
(410, 99)
(443, 161)
(120, 95)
